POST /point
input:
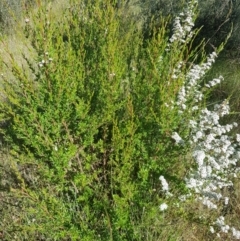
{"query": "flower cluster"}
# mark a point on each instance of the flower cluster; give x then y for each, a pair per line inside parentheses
(215, 150)
(220, 223)
(46, 60)
(177, 138)
(165, 189)
(216, 154)
(164, 183)
(191, 89)
(182, 28)
(163, 206)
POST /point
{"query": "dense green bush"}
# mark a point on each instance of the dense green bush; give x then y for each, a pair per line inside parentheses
(88, 118)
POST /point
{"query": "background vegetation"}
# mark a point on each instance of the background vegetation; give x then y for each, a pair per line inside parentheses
(86, 123)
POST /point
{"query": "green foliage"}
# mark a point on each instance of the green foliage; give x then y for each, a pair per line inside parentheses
(88, 125)
(215, 18)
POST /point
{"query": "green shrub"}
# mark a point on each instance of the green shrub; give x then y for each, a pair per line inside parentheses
(88, 122)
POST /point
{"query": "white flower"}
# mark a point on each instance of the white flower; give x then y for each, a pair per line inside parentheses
(212, 229)
(225, 228)
(195, 184)
(199, 135)
(220, 221)
(164, 183)
(177, 138)
(209, 204)
(195, 108)
(191, 183)
(183, 106)
(235, 233)
(210, 138)
(163, 206)
(192, 123)
(199, 156)
(226, 200)
(238, 138)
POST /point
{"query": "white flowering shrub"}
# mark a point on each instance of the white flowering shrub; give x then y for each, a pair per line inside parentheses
(215, 150)
(216, 154)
